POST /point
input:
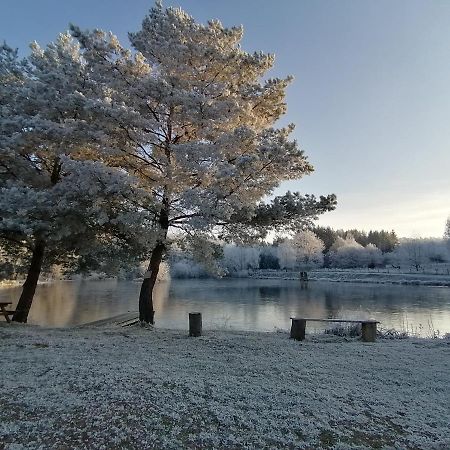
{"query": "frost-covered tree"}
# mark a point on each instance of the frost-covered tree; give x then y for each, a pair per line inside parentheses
(447, 229)
(268, 257)
(327, 235)
(287, 255)
(417, 252)
(308, 248)
(192, 115)
(373, 256)
(411, 252)
(56, 205)
(347, 253)
(237, 258)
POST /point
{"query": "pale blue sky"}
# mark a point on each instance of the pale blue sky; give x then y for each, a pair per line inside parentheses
(371, 96)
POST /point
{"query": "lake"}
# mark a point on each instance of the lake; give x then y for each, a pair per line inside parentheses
(243, 304)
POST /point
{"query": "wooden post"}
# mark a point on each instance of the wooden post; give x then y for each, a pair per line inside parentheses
(298, 328)
(369, 331)
(195, 324)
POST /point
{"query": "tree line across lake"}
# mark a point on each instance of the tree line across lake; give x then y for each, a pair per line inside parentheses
(306, 250)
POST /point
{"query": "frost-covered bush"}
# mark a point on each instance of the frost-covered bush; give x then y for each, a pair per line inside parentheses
(391, 334)
(417, 253)
(373, 256)
(286, 256)
(347, 254)
(268, 258)
(240, 259)
(349, 330)
(187, 269)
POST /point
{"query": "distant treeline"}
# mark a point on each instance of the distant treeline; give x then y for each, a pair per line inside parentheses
(322, 247)
(384, 240)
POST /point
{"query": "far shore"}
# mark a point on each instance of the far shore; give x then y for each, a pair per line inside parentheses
(360, 275)
(374, 276)
(113, 387)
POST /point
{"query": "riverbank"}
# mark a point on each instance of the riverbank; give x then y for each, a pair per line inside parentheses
(137, 388)
(374, 276)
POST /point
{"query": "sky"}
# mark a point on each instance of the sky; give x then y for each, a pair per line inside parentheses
(370, 98)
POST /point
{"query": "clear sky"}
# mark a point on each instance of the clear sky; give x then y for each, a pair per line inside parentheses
(371, 96)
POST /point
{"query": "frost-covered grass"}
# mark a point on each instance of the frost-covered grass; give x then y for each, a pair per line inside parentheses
(136, 388)
(377, 276)
(354, 330)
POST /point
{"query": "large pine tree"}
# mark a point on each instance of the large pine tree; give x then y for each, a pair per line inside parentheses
(191, 114)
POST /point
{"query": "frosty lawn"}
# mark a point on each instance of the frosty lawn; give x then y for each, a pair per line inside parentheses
(109, 388)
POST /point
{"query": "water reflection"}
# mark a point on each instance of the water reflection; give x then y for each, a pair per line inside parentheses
(242, 304)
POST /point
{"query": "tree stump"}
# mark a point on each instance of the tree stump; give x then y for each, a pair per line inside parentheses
(298, 328)
(369, 331)
(195, 324)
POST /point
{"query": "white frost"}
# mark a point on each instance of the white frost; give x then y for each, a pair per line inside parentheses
(135, 388)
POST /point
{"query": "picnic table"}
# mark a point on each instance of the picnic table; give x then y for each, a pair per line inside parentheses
(6, 313)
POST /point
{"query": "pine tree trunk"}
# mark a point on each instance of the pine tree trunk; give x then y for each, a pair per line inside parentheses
(146, 312)
(29, 287)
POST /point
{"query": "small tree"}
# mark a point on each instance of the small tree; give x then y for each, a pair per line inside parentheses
(411, 252)
(308, 249)
(373, 256)
(287, 255)
(240, 258)
(190, 114)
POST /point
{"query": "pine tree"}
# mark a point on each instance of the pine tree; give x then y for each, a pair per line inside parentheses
(57, 205)
(189, 113)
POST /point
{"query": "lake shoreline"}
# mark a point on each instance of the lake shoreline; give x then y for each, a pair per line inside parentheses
(322, 275)
(159, 388)
(360, 276)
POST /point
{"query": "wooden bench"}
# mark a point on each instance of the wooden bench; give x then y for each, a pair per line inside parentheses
(5, 312)
(368, 327)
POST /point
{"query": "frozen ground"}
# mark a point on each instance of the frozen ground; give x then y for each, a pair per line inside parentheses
(93, 388)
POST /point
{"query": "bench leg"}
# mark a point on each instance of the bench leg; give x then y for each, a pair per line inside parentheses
(5, 314)
(195, 324)
(298, 328)
(369, 331)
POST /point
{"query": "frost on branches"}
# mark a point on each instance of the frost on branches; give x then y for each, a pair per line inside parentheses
(190, 114)
(303, 251)
(56, 204)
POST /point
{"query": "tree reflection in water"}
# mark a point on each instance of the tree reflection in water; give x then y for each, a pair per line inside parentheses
(246, 304)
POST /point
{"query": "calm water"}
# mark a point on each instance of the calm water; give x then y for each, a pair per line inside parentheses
(242, 304)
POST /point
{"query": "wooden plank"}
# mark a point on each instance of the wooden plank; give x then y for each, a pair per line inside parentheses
(336, 320)
(128, 323)
(114, 320)
(5, 303)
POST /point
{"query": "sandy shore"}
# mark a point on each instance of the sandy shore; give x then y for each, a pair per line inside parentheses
(110, 388)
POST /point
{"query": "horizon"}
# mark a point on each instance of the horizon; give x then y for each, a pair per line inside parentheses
(369, 76)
